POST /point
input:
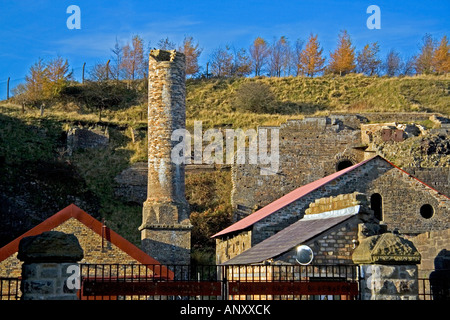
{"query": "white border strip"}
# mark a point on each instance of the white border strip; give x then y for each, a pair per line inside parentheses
(333, 214)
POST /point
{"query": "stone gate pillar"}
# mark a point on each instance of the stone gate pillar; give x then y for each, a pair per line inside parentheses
(388, 268)
(49, 260)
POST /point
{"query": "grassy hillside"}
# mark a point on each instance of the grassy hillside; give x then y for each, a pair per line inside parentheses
(32, 157)
(212, 100)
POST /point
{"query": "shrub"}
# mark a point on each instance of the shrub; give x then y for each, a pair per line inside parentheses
(254, 97)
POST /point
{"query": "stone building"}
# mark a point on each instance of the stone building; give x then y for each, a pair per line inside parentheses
(166, 228)
(389, 200)
(100, 244)
(315, 147)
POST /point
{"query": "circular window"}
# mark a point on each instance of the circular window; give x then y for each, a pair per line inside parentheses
(426, 211)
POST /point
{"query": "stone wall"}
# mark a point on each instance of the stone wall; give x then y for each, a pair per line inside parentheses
(46, 261)
(230, 247)
(309, 150)
(85, 138)
(437, 178)
(389, 282)
(335, 203)
(388, 265)
(434, 248)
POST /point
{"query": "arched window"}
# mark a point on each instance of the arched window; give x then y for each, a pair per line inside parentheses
(343, 164)
(426, 211)
(376, 204)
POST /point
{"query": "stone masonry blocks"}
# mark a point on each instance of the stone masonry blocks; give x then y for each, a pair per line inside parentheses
(165, 229)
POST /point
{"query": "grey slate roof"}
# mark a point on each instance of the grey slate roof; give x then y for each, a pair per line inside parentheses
(288, 238)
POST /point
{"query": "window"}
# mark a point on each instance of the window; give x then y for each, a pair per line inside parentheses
(376, 204)
(343, 164)
(426, 211)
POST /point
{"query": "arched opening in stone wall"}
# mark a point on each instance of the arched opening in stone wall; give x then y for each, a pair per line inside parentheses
(376, 204)
(343, 165)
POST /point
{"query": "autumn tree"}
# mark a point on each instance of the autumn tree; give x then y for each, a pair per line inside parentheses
(342, 60)
(36, 84)
(44, 82)
(441, 57)
(133, 60)
(310, 60)
(367, 59)
(192, 53)
(259, 53)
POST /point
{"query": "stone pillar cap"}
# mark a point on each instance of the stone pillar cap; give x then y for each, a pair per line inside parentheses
(386, 248)
(50, 246)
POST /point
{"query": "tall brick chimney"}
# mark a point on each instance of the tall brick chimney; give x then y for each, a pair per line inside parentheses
(166, 228)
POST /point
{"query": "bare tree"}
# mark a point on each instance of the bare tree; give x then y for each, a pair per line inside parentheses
(393, 64)
(221, 61)
(116, 67)
(166, 44)
(367, 59)
(99, 72)
(259, 53)
(241, 63)
(279, 56)
(298, 48)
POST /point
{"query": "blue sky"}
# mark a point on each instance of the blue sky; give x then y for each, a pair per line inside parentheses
(32, 29)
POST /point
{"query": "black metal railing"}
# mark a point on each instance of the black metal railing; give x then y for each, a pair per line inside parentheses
(285, 282)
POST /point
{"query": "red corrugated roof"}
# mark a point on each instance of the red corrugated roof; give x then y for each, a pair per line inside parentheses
(285, 200)
(72, 211)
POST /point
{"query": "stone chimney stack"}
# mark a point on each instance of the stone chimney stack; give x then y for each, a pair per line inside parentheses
(166, 228)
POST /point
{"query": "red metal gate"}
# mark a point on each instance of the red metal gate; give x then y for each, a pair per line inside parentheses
(268, 282)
